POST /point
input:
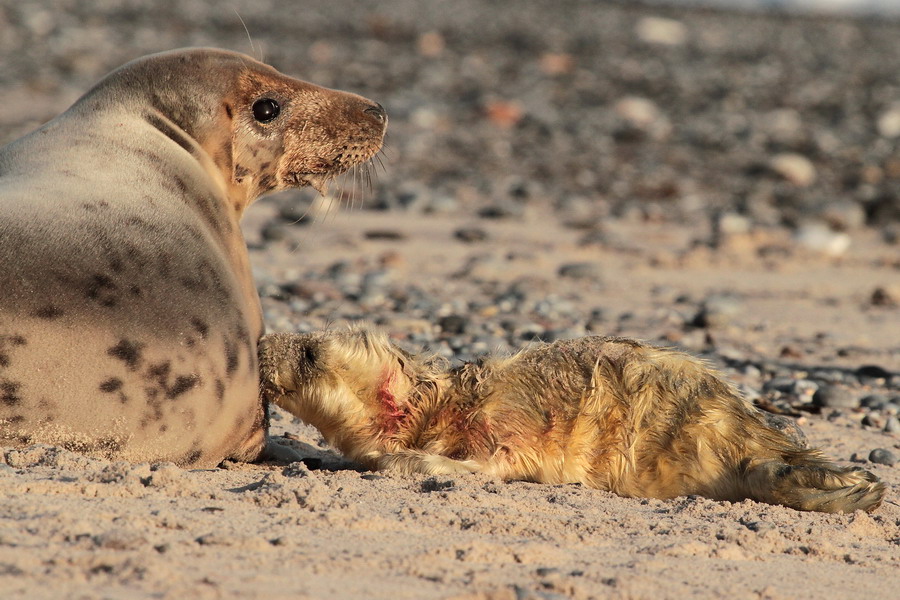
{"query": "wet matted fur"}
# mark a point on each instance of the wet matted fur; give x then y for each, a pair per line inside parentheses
(610, 413)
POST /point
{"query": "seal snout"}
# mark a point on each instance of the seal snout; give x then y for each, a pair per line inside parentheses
(377, 112)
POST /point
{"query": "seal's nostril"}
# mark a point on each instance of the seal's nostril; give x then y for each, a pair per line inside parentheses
(377, 111)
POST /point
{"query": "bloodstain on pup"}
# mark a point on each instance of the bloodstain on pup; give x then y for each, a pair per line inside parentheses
(610, 413)
(128, 313)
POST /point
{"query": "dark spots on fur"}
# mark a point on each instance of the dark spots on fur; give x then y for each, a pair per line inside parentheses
(181, 184)
(111, 385)
(7, 341)
(139, 223)
(10, 394)
(102, 289)
(265, 166)
(135, 290)
(163, 428)
(49, 312)
(170, 132)
(228, 111)
(183, 383)
(115, 265)
(231, 358)
(200, 326)
(240, 171)
(14, 419)
(128, 352)
(165, 264)
(159, 371)
(95, 206)
(161, 375)
(267, 181)
(191, 283)
(220, 390)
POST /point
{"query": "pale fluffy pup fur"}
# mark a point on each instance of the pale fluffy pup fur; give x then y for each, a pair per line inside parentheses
(610, 413)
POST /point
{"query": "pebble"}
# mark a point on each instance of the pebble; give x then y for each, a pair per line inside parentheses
(874, 401)
(453, 324)
(873, 371)
(889, 122)
(892, 425)
(795, 168)
(819, 237)
(833, 396)
(717, 311)
(881, 456)
(470, 234)
(661, 31)
(581, 270)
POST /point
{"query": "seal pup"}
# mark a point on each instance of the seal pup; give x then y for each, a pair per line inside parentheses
(610, 413)
(128, 314)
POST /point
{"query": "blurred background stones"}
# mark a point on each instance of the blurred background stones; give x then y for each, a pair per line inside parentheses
(677, 114)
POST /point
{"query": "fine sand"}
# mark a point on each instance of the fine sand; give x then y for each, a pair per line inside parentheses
(725, 183)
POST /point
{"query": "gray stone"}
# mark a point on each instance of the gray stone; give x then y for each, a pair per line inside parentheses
(834, 396)
(882, 456)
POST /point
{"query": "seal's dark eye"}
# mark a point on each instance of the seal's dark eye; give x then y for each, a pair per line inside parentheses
(265, 110)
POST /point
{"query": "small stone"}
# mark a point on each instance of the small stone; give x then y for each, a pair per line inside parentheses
(892, 425)
(658, 30)
(874, 401)
(501, 210)
(731, 223)
(295, 213)
(833, 396)
(638, 111)
(885, 296)
(821, 238)
(582, 270)
(274, 232)
(760, 526)
(453, 324)
(795, 168)
(880, 456)
(470, 234)
(873, 371)
(889, 122)
(431, 44)
(844, 215)
(717, 311)
(384, 234)
(872, 420)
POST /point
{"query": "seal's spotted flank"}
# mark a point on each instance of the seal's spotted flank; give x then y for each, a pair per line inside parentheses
(610, 413)
(128, 315)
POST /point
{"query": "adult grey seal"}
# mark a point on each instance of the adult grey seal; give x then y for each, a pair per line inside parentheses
(128, 314)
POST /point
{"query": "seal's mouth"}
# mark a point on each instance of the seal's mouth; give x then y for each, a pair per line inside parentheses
(318, 181)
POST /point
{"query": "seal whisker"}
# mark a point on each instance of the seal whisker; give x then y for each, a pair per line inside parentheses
(249, 37)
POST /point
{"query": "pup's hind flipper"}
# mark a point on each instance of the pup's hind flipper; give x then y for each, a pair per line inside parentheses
(815, 485)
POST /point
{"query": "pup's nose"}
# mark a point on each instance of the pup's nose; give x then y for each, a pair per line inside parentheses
(377, 111)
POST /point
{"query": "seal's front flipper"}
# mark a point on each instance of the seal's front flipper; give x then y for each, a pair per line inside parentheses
(275, 452)
(412, 461)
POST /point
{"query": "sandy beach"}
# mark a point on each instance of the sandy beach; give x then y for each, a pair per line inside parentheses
(724, 183)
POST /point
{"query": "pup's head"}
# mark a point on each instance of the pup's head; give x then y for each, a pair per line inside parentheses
(349, 376)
